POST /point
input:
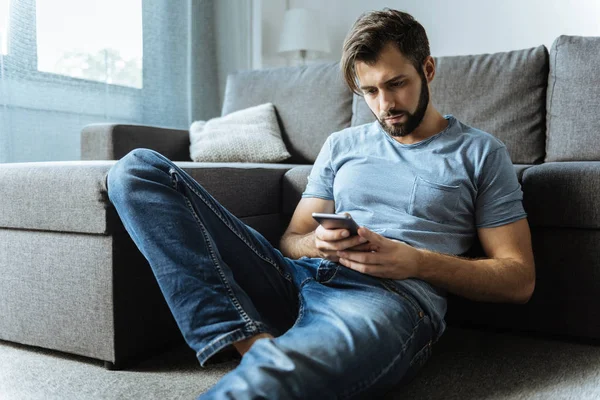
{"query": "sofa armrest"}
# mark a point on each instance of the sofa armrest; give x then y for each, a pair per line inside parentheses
(563, 194)
(113, 141)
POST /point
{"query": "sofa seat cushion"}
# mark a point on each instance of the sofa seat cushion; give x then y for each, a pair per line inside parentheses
(503, 94)
(574, 100)
(311, 101)
(563, 194)
(71, 196)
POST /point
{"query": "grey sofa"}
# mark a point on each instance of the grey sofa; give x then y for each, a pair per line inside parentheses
(72, 280)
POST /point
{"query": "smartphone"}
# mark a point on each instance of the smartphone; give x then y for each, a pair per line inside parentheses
(337, 221)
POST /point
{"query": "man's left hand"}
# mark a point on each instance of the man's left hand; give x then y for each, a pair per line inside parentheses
(384, 258)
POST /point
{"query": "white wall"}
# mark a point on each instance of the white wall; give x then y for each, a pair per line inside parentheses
(454, 27)
(233, 25)
(272, 17)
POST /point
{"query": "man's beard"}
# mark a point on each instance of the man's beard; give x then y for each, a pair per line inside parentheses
(401, 129)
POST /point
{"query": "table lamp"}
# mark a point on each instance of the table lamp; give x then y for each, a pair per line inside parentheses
(303, 31)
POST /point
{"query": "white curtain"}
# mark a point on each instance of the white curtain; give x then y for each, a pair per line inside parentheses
(68, 63)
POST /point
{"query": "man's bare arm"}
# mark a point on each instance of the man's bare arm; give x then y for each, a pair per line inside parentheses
(507, 276)
(298, 239)
(295, 245)
(305, 237)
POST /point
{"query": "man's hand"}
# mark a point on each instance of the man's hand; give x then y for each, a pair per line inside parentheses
(385, 258)
(329, 241)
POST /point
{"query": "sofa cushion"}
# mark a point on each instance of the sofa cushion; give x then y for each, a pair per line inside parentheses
(563, 194)
(71, 196)
(311, 101)
(574, 100)
(248, 135)
(502, 93)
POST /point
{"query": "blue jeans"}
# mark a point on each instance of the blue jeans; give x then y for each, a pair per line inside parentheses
(338, 333)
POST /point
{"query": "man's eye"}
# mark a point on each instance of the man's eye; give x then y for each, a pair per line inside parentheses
(398, 83)
(369, 91)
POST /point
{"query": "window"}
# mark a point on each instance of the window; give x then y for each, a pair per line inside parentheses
(90, 40)
(70, 63)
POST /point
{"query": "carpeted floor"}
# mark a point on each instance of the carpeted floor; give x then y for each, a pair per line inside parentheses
(466, 364)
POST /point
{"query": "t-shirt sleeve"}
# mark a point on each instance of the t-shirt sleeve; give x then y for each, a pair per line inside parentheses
(499, 195)
(320, 180)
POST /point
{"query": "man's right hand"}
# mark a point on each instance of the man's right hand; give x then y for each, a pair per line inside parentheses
(329, 241)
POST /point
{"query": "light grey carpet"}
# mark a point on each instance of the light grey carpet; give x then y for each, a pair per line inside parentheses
(466, 364)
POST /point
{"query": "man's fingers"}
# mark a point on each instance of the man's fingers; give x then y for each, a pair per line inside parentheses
(329, 235)
(332, 235)
(347, 243)
(360, 257)
(360, 247)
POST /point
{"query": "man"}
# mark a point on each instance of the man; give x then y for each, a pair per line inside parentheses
(339, 316)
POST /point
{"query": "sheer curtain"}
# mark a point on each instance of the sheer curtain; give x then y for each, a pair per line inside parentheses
(68, 63)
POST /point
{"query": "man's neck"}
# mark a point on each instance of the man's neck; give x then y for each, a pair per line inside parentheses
(432, 124)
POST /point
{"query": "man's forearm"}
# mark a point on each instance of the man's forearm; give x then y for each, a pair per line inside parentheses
(295, 246)
(492, 280)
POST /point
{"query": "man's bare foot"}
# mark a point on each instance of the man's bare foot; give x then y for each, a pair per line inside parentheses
(244, 345)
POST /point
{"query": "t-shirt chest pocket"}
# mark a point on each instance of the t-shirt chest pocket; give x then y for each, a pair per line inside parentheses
(433, 201)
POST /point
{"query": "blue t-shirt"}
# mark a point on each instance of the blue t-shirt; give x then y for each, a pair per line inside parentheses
(432, 194)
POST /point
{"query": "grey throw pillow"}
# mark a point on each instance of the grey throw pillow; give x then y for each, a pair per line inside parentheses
(249, 135)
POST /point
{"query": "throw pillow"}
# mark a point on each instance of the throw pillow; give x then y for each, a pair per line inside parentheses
(249, 135)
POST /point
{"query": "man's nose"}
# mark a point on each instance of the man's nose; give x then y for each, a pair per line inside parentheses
(386, 101)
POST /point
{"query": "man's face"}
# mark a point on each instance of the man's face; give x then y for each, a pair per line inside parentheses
(396, 93)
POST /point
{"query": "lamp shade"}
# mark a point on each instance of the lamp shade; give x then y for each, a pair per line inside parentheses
(303, 30)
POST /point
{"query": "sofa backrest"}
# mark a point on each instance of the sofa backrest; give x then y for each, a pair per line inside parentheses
(542, 105)
(503, 94)
(574, 100)
(311, 101)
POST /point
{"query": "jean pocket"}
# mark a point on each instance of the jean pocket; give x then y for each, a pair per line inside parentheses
(433, 201)
(326, 271)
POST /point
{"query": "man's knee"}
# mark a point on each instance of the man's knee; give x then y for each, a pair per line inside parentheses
(119, 175)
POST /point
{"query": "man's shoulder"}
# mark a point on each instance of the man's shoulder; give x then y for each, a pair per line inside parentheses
(353, 130)
(477, 139)
(352, 134)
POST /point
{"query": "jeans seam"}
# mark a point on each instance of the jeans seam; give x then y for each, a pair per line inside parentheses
(428, 345)
(235, 232)
(370, 381)
(416, 307)
(230, 292)
(221, 341)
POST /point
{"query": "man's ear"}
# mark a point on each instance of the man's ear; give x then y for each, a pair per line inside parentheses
(429, 68)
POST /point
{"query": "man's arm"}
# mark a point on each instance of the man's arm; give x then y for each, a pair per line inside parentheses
(305, 237)
(298, 239)
(508, 275)
(295, 245)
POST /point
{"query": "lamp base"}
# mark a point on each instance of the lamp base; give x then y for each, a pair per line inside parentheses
(303, 56)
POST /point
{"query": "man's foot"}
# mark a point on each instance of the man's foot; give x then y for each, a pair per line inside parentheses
(244, 345)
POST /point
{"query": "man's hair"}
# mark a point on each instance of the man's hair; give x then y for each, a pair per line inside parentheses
(372, 31)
